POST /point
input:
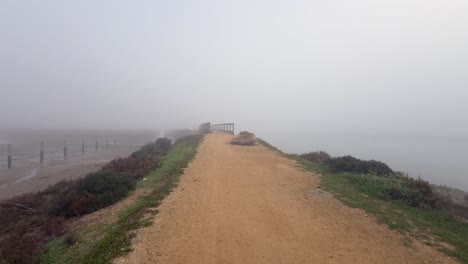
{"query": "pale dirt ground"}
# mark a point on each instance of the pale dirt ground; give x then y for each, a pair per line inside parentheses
(32, 178)
(250, 205)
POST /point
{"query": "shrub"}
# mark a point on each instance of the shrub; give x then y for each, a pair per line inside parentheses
(427, 197)
(68, 195)
(154, 150)
(316, 156)
(352, 164)
(29, 221)
(164, 144)
(135, 167)
(24, 230)
(31, 200)
(97, 190)
(454, 208)
(243, 133)
(387, 188)
(414, 192)
(57, 188)
(382, 182)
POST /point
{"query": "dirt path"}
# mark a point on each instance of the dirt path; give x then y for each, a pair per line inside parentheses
(250, 205)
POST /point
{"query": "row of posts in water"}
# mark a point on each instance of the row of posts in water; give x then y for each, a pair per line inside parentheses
(41, 153)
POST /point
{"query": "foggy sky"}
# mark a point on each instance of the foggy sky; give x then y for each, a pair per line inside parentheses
(361, 66)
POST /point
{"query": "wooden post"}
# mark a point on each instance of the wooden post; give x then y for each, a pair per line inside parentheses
(107, 143)
(96, 145)
(41, 158)
(82, 147)
(65, 150)
(9, 156)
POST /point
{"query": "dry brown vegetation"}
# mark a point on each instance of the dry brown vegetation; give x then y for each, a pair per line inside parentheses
(29, 221)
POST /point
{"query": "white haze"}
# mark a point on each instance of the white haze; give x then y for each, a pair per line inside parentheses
(278, 68)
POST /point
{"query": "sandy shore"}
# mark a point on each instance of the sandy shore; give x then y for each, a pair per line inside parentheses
(32, 178)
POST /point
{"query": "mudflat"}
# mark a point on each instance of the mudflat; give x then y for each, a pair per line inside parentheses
(31, 177)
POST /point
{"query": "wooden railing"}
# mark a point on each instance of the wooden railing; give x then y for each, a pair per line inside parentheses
(224, 127)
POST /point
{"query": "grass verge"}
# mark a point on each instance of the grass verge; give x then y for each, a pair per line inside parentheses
(101, 243)
(433, 227)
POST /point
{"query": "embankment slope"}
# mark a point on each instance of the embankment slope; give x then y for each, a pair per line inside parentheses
(240, 204)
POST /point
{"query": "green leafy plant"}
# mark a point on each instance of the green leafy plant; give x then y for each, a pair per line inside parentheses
(95, 191)
(136, 167)
(154, 150)
(316, 156)
(352, 164)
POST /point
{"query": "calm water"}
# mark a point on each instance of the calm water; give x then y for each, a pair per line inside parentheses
(26, 144)
(436, 159)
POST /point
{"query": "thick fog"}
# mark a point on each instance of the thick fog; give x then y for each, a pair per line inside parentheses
(395, 67)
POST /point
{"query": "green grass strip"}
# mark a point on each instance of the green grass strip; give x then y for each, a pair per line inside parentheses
(433, 227)
(115, 239)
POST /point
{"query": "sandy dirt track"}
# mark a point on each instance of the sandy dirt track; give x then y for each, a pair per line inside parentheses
(244, 205)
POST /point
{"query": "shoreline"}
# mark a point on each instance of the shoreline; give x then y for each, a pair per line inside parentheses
(31, 177)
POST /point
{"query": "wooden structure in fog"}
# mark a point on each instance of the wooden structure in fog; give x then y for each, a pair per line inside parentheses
(205, 128)
(224, 127)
